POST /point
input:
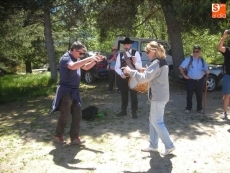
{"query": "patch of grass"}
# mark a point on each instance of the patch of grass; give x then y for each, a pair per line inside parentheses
(17, 87)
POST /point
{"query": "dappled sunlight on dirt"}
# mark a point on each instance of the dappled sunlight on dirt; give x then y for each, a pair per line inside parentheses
(113, 144)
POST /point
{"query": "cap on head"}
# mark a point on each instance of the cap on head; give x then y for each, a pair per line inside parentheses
(196, 47)
(127, 41)
(114, 48)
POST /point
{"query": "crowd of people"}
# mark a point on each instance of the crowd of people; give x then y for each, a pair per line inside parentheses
(126, 66)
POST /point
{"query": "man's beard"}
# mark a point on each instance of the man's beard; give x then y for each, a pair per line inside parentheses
(126, 49)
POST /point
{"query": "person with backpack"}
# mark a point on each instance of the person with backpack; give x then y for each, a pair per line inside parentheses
(67, 99)
(196, 71)
(131, 58)
(112, 74)
(226, 70)
(156, 75)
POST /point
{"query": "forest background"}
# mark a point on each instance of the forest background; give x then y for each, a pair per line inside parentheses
(35, 33)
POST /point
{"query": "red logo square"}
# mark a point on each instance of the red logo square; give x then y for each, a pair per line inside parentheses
(218, 10)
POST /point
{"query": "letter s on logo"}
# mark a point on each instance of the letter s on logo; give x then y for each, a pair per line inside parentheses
(215, 7)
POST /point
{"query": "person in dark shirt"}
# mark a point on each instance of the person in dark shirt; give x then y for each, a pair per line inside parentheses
(226, 78)
(67, 99)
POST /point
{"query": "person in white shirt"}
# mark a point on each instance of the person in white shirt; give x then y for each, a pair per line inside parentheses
(134, 61)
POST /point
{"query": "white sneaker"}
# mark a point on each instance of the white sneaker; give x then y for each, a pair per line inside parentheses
(200, 111)
(149, 149)
(224, 115)
(168, 151)
(187, 111)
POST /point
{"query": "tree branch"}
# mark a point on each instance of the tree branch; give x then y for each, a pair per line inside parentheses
(149, 16)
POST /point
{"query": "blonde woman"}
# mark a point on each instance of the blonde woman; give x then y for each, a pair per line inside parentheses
(158, 94)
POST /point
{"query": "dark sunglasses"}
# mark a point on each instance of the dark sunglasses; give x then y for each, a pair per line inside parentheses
(197, 51)
(80, 53)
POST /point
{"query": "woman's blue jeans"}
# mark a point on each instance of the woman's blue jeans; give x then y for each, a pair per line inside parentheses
(157, 127)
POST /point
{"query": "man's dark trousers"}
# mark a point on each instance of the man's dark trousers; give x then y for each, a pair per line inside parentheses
(197, 86)
(125, 94)
(68, 107)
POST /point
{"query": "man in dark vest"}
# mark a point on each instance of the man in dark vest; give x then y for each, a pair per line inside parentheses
(131, 58)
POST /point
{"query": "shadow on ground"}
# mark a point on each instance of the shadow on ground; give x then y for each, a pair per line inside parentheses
(158, 164)
(65, 155)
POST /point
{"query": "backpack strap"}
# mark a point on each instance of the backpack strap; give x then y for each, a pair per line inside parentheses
(189, 64)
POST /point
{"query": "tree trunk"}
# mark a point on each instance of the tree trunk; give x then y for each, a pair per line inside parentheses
(50, 44)
(28, 67)
(174, 32)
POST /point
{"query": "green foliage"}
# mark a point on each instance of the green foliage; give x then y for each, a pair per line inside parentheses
(207, 42)
(113, 15)
(151, 22)
(17, 87)
(195, 14)
(97, 23)
(20, 44)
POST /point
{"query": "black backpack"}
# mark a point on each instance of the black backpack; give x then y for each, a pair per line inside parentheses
(89, 113)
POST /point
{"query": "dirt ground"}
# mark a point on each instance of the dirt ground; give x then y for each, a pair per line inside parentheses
(113, 145)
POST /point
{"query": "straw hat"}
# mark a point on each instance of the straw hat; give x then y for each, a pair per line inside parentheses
(114, 48)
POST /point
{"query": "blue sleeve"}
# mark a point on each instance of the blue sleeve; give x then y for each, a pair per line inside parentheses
(64, 61)
(205, 65)
(185, 63)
